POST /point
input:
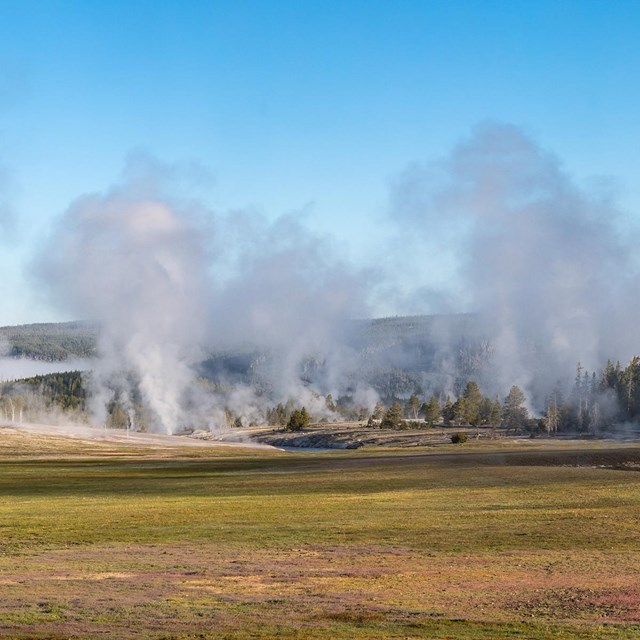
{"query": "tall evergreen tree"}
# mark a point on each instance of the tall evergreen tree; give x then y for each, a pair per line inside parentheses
(432, 411)
(393, 417)
(447, 411)
(473, 400)
(514, 413)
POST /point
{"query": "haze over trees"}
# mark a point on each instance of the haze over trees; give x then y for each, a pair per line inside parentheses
(597, 402)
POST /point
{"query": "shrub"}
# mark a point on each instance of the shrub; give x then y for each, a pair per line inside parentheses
(299, 420)
(459, 437)
(393, 418)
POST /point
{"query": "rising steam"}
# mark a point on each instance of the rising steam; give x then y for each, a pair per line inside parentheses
(134, 264)
(549, 267)
(544, 266)
(169, 283)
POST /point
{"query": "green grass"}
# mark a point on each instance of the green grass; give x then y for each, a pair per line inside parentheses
(123, 542)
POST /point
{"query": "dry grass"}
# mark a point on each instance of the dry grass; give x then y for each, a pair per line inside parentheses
(117, 542)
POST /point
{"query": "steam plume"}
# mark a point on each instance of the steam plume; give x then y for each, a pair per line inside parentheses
(169, 283)
(135, 264)
(549, 266)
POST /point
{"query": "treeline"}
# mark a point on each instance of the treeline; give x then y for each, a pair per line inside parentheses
(597, 403)
(54, 391)
(471, 408)
(44, 395)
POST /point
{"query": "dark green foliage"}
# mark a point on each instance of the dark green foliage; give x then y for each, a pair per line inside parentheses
(432, 411)
(65, 390)
(473, 400)
(473, 409)
(459, 437)
(514, 413)
(596, 405)
(278, 415)
(447, 411)
(491, 412)
(459, 411)
(393, 418)
(299, 420)
(52, 342)
(331, 405)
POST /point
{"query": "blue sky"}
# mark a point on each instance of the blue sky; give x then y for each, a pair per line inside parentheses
(289, 106)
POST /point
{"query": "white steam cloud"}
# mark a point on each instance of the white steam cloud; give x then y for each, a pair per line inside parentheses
(549, 267)
(135, 265)
(175, 288)
(170, 283)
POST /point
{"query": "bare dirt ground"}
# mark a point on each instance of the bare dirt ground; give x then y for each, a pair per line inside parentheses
(353, 435)
(105, 592)
(88, 433)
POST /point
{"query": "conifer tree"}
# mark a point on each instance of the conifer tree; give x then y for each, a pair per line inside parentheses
(514, 413)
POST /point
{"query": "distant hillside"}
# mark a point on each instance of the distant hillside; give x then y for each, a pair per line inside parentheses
(49, 341)
(397, 356)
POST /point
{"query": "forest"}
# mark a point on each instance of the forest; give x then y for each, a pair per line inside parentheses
(50, 341)
(597, 404)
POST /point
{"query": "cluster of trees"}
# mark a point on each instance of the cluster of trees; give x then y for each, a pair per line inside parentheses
(280, 414)
(594, 404)
(61, 391)
(597, 403)
(471, 408)
(342, 408)
(298, 420)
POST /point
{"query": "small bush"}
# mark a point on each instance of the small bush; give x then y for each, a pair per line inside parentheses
(459, 437)
(299, 420)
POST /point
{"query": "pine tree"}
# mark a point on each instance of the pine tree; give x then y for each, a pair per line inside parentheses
(447, 411)
(330, 404)
(393, 418)
(432, 411)
(473, 400)
(459, 411)
(495, 416)
(299, 420)
(514, 413)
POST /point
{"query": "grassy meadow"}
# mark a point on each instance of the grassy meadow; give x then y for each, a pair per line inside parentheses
(483, 541)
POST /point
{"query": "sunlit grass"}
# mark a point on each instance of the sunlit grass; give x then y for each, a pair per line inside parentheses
(117, 541)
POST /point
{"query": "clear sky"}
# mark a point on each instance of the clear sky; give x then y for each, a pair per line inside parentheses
(294, 105)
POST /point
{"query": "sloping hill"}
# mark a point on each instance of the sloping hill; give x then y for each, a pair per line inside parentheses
(397, 356)
(49, 341)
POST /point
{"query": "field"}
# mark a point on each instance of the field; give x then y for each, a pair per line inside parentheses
(487, 540)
